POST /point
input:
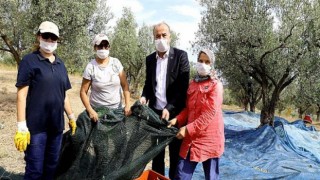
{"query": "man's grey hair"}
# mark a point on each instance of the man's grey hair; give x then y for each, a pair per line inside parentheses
(159, 24)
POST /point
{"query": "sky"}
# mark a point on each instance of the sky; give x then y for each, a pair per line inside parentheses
(183, 17)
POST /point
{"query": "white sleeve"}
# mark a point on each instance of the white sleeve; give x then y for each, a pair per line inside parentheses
(88, 71)
(118, 65)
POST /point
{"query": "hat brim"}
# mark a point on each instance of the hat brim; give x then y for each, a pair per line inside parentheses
(99, 42)
(44, 31)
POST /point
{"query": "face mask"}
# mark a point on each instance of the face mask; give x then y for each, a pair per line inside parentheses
(48, 47)
(203, 69)
(102, 53)
(161, 45)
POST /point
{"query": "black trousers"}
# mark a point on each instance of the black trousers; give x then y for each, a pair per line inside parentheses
(158, 163)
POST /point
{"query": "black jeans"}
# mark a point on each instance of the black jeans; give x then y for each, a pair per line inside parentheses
(158, 163)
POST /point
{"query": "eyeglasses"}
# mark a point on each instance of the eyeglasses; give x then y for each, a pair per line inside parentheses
(101, 46)
(49, 35)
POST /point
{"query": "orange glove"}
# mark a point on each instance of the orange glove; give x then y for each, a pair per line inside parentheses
(22, 137)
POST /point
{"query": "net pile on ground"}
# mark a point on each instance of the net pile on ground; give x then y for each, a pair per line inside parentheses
(287, 151)
(117, 147)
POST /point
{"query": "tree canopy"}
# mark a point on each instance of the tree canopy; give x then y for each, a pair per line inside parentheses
(20, 20)
(272, 41)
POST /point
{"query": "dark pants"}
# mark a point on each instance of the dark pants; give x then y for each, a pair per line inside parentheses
(186, 169)
(42, 156)
(158, 163)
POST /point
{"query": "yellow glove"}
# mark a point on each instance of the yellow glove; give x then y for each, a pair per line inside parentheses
(72, 123)
(73, 126)
(22, 137)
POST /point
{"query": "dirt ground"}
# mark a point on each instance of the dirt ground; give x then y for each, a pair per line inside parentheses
(11, 161)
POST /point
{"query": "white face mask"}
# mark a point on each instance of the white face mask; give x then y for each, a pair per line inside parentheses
(48, 47)
(102, 53)
(162, 45)
(203, 69)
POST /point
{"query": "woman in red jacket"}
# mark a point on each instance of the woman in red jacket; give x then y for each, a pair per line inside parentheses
(201, 122)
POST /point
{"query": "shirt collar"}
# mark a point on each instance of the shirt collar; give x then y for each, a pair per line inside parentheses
(41, 58)
(165, 56)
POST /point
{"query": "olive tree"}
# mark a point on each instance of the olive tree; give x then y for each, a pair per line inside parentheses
(77, 21)
(266, 40)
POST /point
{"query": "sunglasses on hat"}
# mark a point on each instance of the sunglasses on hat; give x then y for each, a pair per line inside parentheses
(49, 35)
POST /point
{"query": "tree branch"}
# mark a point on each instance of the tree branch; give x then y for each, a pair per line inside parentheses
(285, 84)
(278, 47)
(271, 79)
(248, 44)
(2, 49)
(256, 71)
(11, 48)
(282, 81)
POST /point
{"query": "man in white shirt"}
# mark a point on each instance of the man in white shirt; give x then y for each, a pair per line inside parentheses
(165, 88)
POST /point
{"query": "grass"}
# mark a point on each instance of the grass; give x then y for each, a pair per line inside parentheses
(7, 67)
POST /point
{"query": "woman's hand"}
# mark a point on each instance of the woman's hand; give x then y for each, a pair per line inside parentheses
(127, 110)
(182, 132)
(93, 115)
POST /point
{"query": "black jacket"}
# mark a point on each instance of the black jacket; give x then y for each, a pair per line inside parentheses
(178, 73)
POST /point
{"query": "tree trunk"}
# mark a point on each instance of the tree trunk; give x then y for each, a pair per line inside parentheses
(135, 91)
(252, 106)
(250, 95)
(267, 115)
(245, 103)
(300, 112)
(256, 98)
(268, 106)
(318, 113)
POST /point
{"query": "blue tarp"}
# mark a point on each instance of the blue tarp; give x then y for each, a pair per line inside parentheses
(287, 151)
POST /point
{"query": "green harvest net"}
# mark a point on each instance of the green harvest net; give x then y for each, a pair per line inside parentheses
(117, 147)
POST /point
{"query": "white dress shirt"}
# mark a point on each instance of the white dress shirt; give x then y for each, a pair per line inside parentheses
(161, 78)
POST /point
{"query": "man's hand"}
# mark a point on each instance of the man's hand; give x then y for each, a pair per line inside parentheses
(143, 100)
(22, 137)
(182, 132)
(165, 114)
(172, 122)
